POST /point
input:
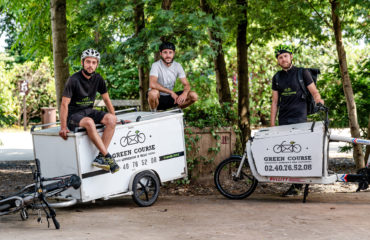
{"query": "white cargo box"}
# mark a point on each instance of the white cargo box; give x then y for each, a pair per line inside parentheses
(152, 141)
(289, 150)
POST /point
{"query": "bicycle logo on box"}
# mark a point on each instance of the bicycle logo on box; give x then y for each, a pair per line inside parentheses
(135, 138)
(291, 147)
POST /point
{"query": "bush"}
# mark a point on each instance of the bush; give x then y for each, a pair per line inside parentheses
(41, 94)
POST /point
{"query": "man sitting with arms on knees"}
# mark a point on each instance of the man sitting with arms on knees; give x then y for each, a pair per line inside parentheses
(77, 109)
(163, 75)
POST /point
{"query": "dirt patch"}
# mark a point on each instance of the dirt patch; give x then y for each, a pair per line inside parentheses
(16, 175)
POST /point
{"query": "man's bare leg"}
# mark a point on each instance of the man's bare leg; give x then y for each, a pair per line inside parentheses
(89, 125)
(192, 98)
(109, 120)
(153, 99)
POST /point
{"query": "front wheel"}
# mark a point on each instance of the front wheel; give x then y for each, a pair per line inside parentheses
(145, 188)
(231, 186)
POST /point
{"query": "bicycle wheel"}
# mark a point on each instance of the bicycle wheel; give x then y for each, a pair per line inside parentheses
(297, 148)
(145, 188)
(141, 138)
(231, 186)
(277, 149)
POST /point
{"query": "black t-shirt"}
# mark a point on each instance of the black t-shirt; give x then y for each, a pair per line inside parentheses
(82, 91)
(292, 107)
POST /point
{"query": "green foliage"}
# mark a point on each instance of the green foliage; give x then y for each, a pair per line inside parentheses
(331, 87)
(7, 103)
(41, 94)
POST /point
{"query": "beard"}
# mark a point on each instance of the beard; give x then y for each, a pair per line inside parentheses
(167, 60)
(88, 73)
(286, 65)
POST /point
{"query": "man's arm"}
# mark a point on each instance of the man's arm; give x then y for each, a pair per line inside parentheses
(63, 117)
(275, 98)
(108, 103)
(182, 98)
(315, 93)
(153, 84)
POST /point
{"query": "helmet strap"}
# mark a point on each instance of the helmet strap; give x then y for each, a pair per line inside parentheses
(86, 72)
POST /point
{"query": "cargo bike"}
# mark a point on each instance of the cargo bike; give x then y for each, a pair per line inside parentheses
(149, 150)
(296, 153)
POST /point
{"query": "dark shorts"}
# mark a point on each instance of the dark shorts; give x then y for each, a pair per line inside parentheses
(74, 119)
(166, 102)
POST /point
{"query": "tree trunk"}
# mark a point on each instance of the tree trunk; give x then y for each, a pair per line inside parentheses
(223, 88)
(347, 86)
(243, 84)
(60, 50)
(166, 5)
(143, 62)
(367, 147)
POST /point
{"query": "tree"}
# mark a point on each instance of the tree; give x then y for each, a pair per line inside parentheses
(243, 84)
(347, 86)
(143, 63)
(60, 49)
(222, 88)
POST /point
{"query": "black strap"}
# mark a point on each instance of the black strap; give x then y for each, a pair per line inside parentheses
(301, 83)
(277, 77)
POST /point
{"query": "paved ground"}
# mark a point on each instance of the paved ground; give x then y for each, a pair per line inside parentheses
(262, 216)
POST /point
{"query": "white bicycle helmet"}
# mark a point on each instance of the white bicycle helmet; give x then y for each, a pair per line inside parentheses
(90, 53)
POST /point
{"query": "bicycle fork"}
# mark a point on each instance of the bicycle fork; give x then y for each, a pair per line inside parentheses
(244, 157)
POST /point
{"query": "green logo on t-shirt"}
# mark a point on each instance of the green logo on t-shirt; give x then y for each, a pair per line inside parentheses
(288, 92)
(84, 101)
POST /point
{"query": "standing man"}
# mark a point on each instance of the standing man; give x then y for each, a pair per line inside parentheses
(77, 109)
(287, 96)
(163, 75)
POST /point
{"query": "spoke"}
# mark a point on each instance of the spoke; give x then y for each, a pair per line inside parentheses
(140, 193)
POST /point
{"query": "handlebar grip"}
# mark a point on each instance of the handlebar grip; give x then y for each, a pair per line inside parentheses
(56, 223)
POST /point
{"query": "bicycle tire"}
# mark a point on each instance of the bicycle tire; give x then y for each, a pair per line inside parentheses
(141, 137)
(228, 184)
(145, 188)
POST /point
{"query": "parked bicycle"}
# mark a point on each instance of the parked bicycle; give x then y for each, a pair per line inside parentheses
(34, 196)
(267, 159)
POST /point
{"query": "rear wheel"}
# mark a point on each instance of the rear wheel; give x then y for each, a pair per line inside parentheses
(231, 186)
(145, 188)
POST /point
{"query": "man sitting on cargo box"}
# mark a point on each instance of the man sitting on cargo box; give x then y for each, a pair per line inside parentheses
(163, 75)
(77, 109)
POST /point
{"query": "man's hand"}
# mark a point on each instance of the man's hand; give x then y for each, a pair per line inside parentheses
(63, 133)
(174, 96)
(319, 101)
(182, 98)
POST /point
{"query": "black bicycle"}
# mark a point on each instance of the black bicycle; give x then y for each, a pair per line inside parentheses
(34, 195)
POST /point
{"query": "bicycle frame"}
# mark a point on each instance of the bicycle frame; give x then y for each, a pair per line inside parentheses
(38, 192)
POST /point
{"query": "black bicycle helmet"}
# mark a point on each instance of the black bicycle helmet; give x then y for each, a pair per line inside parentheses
(167, 45)
(283, 48)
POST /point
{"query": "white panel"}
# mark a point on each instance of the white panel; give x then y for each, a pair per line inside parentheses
(291, 150)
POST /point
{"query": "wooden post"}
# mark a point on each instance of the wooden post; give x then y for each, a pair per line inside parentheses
(24, 113)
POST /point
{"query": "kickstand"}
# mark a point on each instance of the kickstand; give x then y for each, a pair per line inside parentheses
(305, 193)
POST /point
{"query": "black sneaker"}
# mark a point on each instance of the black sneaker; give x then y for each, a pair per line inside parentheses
(112, 163)
(100, 162)
(294, 190)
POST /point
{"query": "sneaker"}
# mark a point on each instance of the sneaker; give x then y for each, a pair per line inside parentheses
(113, 166)
(294, 190)
(100, 162)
